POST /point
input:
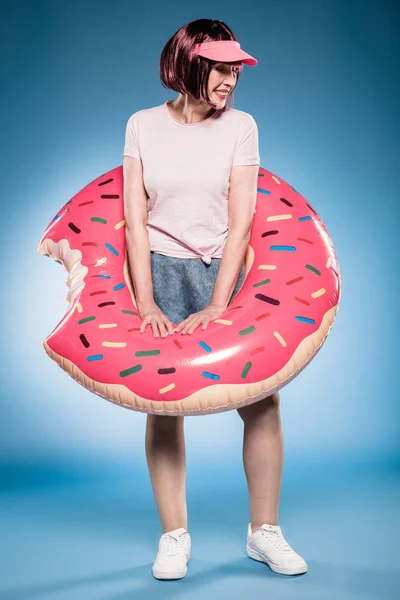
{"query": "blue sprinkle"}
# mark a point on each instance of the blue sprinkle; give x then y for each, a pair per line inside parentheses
(56, 218)
(288, 248)
(210, 375)
(263, 191)
(119, 286)
(294, 189)
(105, 276)
(305, 320)
(204, 345)
(305, 218)
(113, 250)
(95, 357)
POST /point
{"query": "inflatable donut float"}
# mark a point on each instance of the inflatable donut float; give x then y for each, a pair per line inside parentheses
(268, 334)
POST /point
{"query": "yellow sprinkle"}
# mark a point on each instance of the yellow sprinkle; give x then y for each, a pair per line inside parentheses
(278, 217)
(269, 267)
(319, 293)
(167, 388)
(101, 261)
(107, 325)
(119, 225)
(223, 321)
(276, 179)
(79, 307)
(280, 338)
(328, 262)
(114, 344)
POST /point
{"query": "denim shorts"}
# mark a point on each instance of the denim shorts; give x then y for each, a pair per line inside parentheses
(183, 286)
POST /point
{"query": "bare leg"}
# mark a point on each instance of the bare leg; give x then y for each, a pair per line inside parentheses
(166, 460)
(263, 458)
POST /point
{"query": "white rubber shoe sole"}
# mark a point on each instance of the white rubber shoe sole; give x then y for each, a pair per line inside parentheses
(256, 555)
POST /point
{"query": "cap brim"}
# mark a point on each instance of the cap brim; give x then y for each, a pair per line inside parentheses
(225, 55)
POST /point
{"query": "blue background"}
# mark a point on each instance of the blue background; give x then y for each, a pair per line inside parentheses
(326, 98)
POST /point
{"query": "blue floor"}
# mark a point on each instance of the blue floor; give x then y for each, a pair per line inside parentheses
(81, 535)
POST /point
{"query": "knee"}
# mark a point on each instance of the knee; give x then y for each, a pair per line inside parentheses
(264, 407)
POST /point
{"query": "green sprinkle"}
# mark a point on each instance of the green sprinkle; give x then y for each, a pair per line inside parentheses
(246, 370)
(129, 312)
(313, 269)
(261, 282)
(248, 330)
(147, 352)
(131, 370)
(86, 320)
(98, 220)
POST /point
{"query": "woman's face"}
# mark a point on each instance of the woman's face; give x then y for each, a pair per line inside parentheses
(222, 78)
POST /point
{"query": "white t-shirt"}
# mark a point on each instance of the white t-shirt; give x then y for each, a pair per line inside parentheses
(186, 172)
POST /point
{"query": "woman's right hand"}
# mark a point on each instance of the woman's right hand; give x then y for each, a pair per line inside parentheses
(152, 314)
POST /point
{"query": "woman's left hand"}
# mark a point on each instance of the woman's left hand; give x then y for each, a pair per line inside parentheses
(209, 313)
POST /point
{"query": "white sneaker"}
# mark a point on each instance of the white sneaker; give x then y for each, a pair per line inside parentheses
(268, 545)
(173, 555)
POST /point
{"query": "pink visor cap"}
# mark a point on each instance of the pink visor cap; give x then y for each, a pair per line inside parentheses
(225, 51)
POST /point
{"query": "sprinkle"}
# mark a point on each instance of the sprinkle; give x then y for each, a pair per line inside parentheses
(84, 340)
(166, 371)
(110, 196)
(130, 312)
(57, 218)
(99, 220)
(276, 180)
(147, 352)
(262, 282)
(107, 325)
(223, 321)
(134, 369)
(114, 344)
(294, 280)
(106, 181)
(278, 218)
(271, 232)
(305, 320)
(95, 357)
(204, 345)
(263, 316)
(210, 375)
(119, 286)
(318, 293)
(328, 262)
(246, 369)
(178, 344)
(303, 301)
(119, 225)
(105, 304)
(104, 276)
(280, 338)
(311, 208)
(167, 388)
(98, 292)
(286, 202)
(305, 218)
(287, 248)
(86, 320)
(79, 307)
(268, 267)
(248, 330)
(74, 228)
(84, 203)
(101, 262)
(267, 299)
(113, 250)
(304, 240)
(313, 269)
(261, 191)
(257, 350)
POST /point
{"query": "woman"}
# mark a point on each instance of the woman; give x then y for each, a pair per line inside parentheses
(190, 185)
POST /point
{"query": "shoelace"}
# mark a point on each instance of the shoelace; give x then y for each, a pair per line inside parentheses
(276, 538)
(172, 545)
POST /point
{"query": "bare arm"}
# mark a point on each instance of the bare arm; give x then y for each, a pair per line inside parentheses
(138, 247)
(241, 205)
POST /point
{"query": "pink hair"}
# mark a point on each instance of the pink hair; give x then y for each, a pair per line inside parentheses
(184, 71)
